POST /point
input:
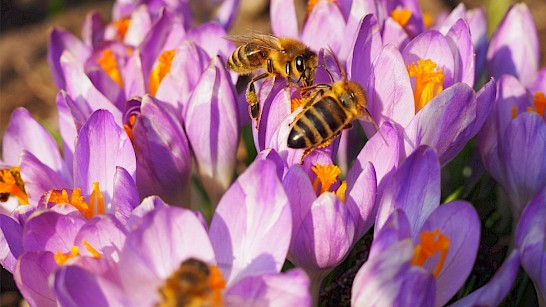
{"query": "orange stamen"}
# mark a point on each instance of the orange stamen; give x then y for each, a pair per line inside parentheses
(295, 103)
(340, 193)
(162, 68)
(62, 258)
(428, 20)
(108, 63)
(12, 184)
(77, 200)
(431, 243)
(428, 83)
(92, 250)
(129, 126)
(514, 112)
(326, 176)
(122, 25)
(401, 16)
(217, 283)
(311, 4)
(540, 103)
(96, 202)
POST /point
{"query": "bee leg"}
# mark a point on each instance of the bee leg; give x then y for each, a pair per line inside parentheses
(252, 99)
(306, 152)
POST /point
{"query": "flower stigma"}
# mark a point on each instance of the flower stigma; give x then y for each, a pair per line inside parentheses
(327, 175)
(432, 242)
(539, 103)
(193, 284)
(162, 68)
(401, 16)
(77, 200)
(428, 83)
(12, 184)
(61, 258)
(108, 63)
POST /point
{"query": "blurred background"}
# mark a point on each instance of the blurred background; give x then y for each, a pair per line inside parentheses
(25, 78)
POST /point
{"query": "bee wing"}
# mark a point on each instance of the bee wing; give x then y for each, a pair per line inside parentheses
(259, 40)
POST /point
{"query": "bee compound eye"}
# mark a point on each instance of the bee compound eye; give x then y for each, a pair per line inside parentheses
(300, 65)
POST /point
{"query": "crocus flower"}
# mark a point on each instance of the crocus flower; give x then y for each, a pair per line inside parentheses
(420, 253)
(516, 122)
(530, 240)
(170, 245)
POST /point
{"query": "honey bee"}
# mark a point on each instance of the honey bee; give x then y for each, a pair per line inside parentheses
(282, 56)
(327, 111)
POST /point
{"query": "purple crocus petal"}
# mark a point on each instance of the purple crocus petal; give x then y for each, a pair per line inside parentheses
(123, 8)
(59, 43)
(494, 292)
(105, 234)
(276, 107)
(383, 154)
(395, 229)
(141, 23)
(187, 66)
(394, 34)
(76, 286)
(454, 16)
(11, 244)
(361, 193)
(101, 147)
(324, 27)
(137, 84)
(38, 177)
(258, 213)
(283, 18)
(86, 96)
(460, 42)
(164, 158)
(152, 252)
(210, 37)
(434, 46)
(226, 13)
(25, 133)
(67, 128)
(51, 231)
(417, 197)
(540, 82)
(212, 128)
(477, 22)
(125, 195)
(485, 100)
(388, 280)
(415, 25)
(366, 47)
(530, 240)
(148, 204)
(272, 155)
(389, 89)
(93, 29)
(359, 9)
(32, 275)
(519, 60)
(285, 289)
(445, 123)
(325, 236)
(525, 169)
(463, 246)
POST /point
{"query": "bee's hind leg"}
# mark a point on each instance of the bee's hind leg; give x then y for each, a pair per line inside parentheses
(252, 98)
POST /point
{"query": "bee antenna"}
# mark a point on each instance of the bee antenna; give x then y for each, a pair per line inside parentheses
(370, 118)
(328, 71)
(341, 70)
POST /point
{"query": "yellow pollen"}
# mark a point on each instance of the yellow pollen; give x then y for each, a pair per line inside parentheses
(12, 184)
(340, 193)
(401, 16)
(540, 103)
(77, 200)
(295, 103)
(428, 20)
(326, 176)
(96, 202)
(162, 68)
(61, 258)
(122, 25)
(92, 250)
(428, 83)
(129, 126)
(431, 243)
(109, 65)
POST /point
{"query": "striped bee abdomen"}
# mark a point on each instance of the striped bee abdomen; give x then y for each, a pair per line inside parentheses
(246, 59)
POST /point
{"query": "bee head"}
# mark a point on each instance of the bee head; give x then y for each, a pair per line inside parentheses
(353, 96)
(306, 64)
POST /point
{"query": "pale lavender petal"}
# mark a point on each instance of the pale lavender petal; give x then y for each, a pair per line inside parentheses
(360, 199)
(272, 155)
(51, 231)
(540, 82)
(324, 27)
(460, 41)
(494, 291)
(125, 195)
(359, 9)
(445, 123)
(364, 50)
(274, 110)
(148, 204)
(395, 229)
(39, 178)
(519, 60)
(59, 43)
(477, 22)
(25, 133)
(417, 197)
(212, 128)
(32, 275)
(325, 236)
(283, 18)
(105, 234)
(258, 213)
(434, 46)
(101, 147)
(463, 246)
(389, 89)
(152, 252)
(393, 34)
(93, 29)
(136, 85)
(210, 37)
(11, 244)
(164, 157)
(227, 12)
(454, 16)
(285, 289)
(67, 128)
(525, 169)
(530, 240)
(485, 100)
(141, 23)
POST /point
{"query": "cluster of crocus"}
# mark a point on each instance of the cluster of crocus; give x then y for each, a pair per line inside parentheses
(147, 206)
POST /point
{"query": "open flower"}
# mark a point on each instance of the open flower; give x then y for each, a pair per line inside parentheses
(420, 252)
(170, 245)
